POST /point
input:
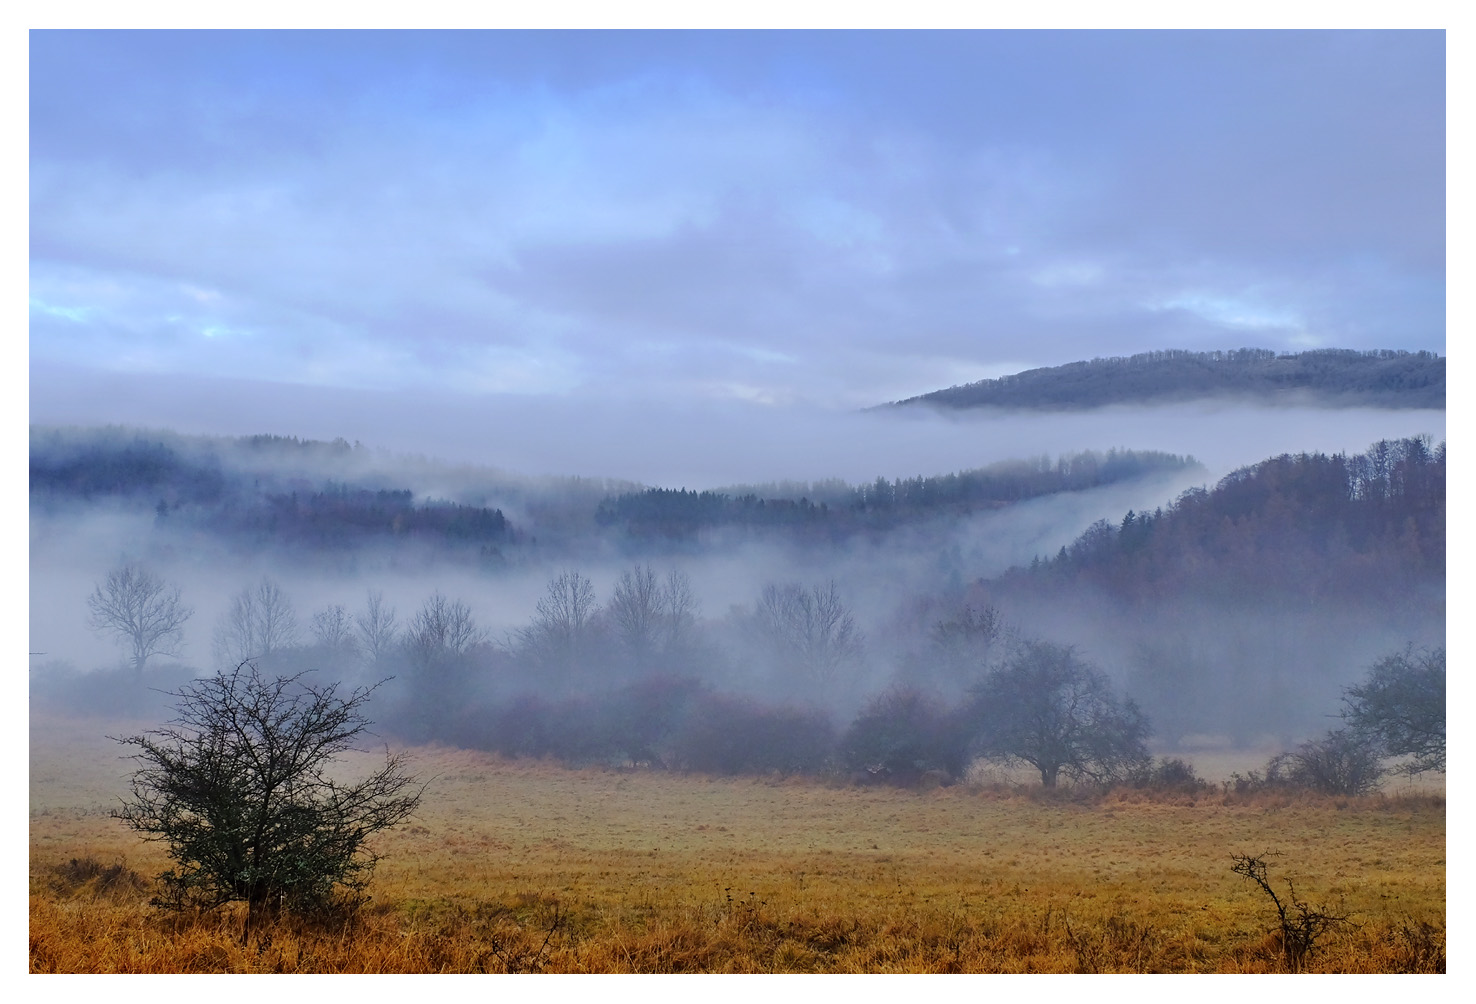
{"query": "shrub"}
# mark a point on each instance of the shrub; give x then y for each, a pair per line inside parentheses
(1340, 763)
(1169, 774)
(730, 735)
(240, 790)
(899, 736)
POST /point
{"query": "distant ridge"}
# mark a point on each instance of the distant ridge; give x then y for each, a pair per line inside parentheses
(1334, 378)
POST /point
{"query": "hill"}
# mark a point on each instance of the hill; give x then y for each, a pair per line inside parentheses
(1239, 608)
(1310, 526)
(304, 497)
(1325, 377)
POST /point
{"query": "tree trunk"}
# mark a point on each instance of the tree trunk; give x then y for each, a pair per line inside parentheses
(1048, 776)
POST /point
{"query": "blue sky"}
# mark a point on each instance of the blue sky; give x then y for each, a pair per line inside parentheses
(446, 242)
(829, 218)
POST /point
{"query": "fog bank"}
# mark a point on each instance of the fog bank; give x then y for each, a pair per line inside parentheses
(698, 444)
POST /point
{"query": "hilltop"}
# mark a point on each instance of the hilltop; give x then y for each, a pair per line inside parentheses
(1326, 377)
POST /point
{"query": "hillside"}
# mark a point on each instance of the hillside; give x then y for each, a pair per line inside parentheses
(305, 497)
(1326, 377)
(1237, 608)
(1310, 525)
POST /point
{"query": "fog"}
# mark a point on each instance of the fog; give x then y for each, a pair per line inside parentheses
(1239, 672)
(621, 435)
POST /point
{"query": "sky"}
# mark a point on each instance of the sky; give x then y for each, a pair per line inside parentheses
(521, 223)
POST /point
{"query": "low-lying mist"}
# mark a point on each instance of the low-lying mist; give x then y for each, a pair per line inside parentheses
(1227, 672)
(701, 443)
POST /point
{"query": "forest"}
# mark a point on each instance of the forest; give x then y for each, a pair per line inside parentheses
(1334, 377)
(851, 619)
(630, 728)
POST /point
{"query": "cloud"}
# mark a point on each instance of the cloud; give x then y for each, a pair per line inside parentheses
(838, 219)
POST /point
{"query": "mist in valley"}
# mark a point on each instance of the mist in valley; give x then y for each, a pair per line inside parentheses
(1236, 672)
(695, 443)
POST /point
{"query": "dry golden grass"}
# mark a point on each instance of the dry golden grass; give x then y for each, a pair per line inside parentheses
(513, 866)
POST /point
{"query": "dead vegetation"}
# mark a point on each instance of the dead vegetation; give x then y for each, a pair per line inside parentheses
(517, 867)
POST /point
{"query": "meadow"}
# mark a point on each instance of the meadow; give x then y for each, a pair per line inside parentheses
(516, 866)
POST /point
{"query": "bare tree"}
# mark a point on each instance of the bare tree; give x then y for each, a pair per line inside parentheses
(333, 629)
(679, 610)
(1048, 708)
(964, 645)
(438, 645)
(1400, 705)
(141, 612)
(1342, 762)
(810, 631)
(635, 611)
(442, 628)
(376, 628)
(652, 617)
(559, 636)
(259, 623)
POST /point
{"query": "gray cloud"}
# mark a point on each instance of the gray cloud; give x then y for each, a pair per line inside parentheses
(829, 218)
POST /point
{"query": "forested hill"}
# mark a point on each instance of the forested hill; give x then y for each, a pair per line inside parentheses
(1326, 377)
(260, 491)
(836, 509)
(1305, 527)
(306, 497)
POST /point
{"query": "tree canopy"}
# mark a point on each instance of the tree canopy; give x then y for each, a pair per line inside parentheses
(1401, 705)
(1048, 708)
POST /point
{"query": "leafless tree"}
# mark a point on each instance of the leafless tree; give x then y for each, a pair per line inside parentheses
(439, 644)
(259, 623)
(1400, 706)
(333, 628)
(559, 636)
(810, 630)
(376, 628)
(441, 628)
(652, 617)
(679, 609)
(1047, 707)
(141, 612)
(964, 645)
(635, 611)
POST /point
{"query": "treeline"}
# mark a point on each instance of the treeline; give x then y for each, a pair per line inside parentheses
(342, 517)
(114, 463)
(642, 680)
(1312, 526)
(1334, 377)
(303, 496)
(216, 488)
(840, 508)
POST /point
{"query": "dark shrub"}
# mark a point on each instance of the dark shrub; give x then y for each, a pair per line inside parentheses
(1169, 774)
(731, 735)
(898, 737)
(1340, 763)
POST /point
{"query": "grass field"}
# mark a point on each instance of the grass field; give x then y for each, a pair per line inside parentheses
(523, 867)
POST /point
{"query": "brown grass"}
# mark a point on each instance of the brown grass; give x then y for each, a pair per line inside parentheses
(519, 867)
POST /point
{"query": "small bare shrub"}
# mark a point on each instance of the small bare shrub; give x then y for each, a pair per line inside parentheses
(1301, 925)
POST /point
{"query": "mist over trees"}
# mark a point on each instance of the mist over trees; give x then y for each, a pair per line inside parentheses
(1399, 708)
(260, 623)
(1334, 377)
(1048, 708)
(841, 632)
(333, 501)
(143, 613)
(835, 510)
